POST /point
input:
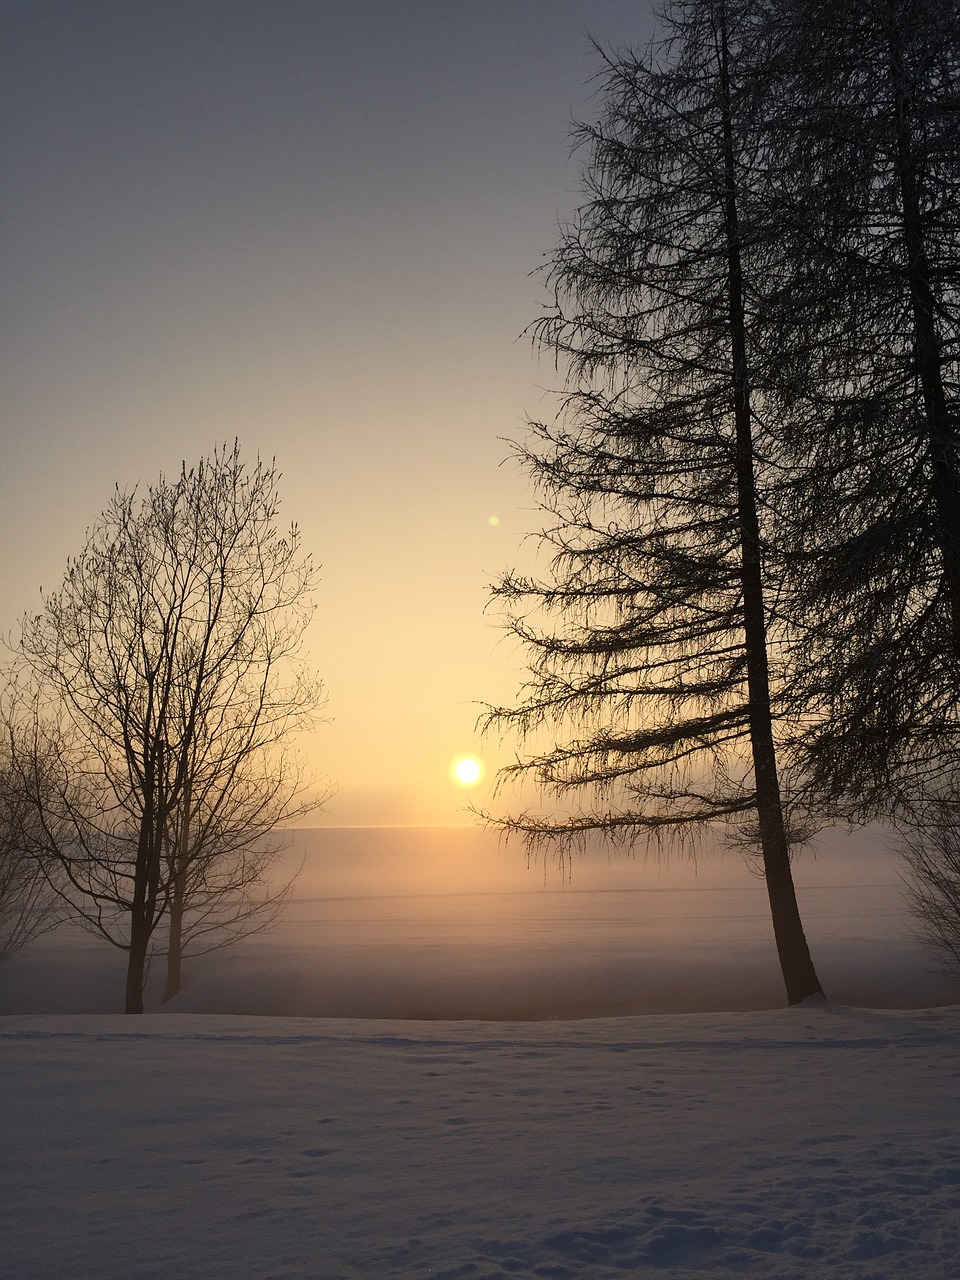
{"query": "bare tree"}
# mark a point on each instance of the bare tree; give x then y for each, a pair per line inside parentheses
(651, 638)
(931, 847)
(163, 682)
(30, 902)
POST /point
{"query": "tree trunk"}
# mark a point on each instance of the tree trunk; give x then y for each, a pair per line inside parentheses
(175, 942)
(136, 965)
(177, 903)
(140, 912)
(796, 964)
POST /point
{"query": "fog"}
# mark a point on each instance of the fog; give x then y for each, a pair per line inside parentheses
(446, 923)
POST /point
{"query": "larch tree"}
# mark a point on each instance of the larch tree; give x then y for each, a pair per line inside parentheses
(651, 637)
(866, 331)
(162, 683)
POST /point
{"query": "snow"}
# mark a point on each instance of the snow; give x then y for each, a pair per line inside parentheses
(730, 1137)
(807, 1142)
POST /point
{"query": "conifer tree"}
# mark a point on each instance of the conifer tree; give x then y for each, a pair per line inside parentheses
(865, 328)
(651, 637)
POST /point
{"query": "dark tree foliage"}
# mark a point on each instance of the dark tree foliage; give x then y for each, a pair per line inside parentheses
(866, 332)
(650, 639)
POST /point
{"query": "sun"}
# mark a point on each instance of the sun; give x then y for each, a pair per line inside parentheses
(466, 771)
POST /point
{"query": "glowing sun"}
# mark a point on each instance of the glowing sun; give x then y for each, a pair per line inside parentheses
(466, 771)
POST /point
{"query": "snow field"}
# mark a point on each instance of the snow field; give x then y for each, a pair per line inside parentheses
(820, 1141)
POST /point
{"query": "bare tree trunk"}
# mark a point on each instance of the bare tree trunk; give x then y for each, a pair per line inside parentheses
(799, 974)
(175, 941)
(136, 970)
(177, 903)
(136, 963)
(140, 913)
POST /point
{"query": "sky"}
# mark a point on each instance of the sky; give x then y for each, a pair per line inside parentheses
(314, 227)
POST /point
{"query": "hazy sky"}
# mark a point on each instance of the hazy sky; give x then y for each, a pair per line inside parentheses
(309, 224)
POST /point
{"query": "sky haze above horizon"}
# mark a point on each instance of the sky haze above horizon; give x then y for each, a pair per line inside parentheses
(310, 226)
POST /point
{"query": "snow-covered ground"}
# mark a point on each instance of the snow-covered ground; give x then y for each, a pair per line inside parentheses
(815, 1142)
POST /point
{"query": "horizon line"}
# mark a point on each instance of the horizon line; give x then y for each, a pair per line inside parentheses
(390, 826)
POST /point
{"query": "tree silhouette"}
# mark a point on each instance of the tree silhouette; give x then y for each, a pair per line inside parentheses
(650, 639)
(866, 327)
(30, 903)
(162, 682)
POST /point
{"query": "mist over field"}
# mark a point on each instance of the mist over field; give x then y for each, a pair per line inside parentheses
(448, 923)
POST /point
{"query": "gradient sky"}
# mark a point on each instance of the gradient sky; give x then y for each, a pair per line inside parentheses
(310, 225)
